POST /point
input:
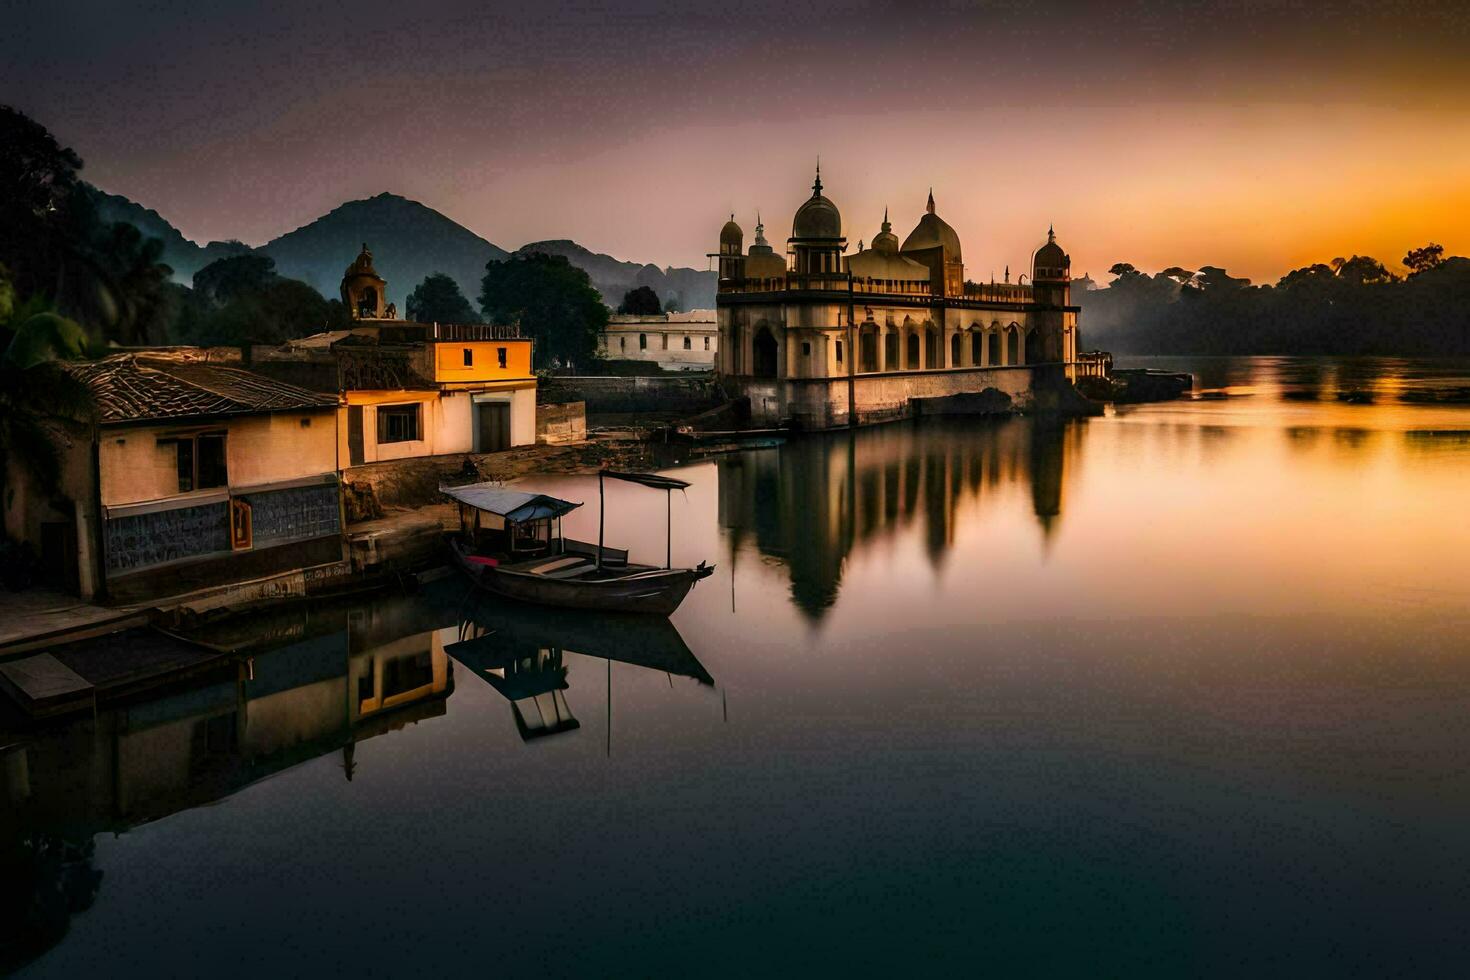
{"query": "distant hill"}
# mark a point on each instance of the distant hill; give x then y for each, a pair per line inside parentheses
(693, 289)
(409, 241)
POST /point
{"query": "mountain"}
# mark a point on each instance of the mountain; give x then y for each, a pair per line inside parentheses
(182, 255)
(692, 289)
(408, 240)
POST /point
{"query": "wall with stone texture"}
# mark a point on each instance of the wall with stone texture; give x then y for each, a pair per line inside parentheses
(822, 403)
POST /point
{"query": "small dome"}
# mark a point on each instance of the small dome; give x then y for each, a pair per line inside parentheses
(1050, 261)
(362, 265)
(886, 241)
(763, 262)
(731, 233)
(817, 217)
(932, 231)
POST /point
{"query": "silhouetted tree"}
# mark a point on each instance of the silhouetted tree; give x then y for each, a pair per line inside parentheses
(438, 300)
(226, 279)
(1424, 258)
(553, 301)
(640, 301)
(240, 299)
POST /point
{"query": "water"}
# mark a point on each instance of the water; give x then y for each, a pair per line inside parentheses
(1178, 691)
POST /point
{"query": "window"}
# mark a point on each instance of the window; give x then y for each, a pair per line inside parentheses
(622, 343)
(469, 357)
(839, 352)
(643, 341)
(706, 343)
(398, 423)
(500, 357)
(666, 340)
(199, 461)
(806, 349)
(687, 344)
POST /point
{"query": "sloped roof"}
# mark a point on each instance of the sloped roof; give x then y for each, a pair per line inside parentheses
(513, 505)
(142, 387)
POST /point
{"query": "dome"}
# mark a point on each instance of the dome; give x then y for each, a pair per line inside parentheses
(1050, 261)
(886, 241)
(932, 231)
(362, 265)
(763, 262)
(817, 217)
(731, 233)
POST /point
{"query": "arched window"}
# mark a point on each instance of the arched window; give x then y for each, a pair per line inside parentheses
(954, 351)
(911, 361)
(1013, 345)
(763, 349)
(890, 351)
(976, 340)
(931, 348)
(994, 343)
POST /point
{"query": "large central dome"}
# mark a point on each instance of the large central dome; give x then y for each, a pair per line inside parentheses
(932, 231)
(817, 217)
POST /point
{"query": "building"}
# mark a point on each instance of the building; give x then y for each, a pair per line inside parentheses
(413, 390)
(673, 341)
(823, 335)
(195, 474)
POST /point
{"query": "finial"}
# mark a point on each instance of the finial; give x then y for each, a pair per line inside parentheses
(860, 244)
(364, 246)
(1008, 272)
(1051, 234)
(887, 226)
(930, 206)
(817, 184)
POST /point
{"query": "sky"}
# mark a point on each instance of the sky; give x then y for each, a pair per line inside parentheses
(1258, 136)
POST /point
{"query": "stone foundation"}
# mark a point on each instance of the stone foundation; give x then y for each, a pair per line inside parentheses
(821, 403)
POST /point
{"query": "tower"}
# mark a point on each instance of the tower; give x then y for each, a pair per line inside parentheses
(816, 234)
(364, 292)
(732, 249)
(1051, 288)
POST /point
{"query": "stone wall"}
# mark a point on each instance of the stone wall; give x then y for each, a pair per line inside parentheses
(557, 425)
(821, 403)
(628, 395)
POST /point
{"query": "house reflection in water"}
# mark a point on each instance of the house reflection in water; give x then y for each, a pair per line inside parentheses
(813, 502)
(305, 683)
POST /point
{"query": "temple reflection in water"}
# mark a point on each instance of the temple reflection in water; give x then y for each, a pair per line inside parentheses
(811, 503)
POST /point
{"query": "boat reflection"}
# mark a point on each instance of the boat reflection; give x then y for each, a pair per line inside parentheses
(520, 651)
(813, 502)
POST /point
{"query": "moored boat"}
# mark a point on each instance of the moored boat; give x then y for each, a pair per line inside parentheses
(510, 543)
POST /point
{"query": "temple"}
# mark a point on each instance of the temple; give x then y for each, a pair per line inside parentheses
(824, 338)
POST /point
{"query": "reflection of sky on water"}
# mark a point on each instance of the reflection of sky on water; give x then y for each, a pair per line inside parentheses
(1177, 691)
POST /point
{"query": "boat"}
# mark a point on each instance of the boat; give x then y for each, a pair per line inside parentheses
(510, 543)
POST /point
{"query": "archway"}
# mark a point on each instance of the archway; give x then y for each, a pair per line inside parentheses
(868, 348)
(911, 358)
(955, 356)
(977, 342)
(763, 352)
(993, 341)
(367, 302)
(931, 347)
(890, 350)
(1013, 345)
(1033, 347)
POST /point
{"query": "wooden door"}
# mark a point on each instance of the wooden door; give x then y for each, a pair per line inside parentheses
(493, 426)
(354, 435)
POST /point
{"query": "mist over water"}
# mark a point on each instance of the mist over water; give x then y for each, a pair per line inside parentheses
(1181, 690)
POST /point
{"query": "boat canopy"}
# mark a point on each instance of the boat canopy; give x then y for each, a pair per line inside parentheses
(513, 505)
(648, 480)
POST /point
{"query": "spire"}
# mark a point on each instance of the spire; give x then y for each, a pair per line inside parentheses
(930, 206)
(760, 230)
(817, 184)
(887, 226)
(1008, 272)
(860, 245)
(1051, 234)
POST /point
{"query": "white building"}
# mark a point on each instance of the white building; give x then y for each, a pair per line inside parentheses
(673, 341)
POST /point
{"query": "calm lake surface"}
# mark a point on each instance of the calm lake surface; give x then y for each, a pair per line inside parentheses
(1180, 691)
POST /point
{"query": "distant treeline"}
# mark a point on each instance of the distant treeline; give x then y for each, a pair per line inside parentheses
(1348, 306)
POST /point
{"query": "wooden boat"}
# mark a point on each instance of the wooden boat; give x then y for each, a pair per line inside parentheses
(510, 543)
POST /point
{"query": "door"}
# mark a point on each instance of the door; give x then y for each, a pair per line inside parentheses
(354, 435)
(492, 426)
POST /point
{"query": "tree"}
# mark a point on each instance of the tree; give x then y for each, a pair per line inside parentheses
(553, 301)
(1124, 270)
(674, 305)
(641, 301)
(1363, 270)
(34, 389)
(229, 278)
(1424, 258)
(438, 300)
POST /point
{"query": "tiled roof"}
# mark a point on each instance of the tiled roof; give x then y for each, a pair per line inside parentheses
(156, 386)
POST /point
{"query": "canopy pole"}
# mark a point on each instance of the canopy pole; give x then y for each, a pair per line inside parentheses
(601, 510)
(669, 529)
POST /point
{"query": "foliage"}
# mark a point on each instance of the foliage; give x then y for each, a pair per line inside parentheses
(640, 301)
(1424, 258)
(240, 299)
(1347, 306)
(438, 300)
(227, 279)
(106, 277)
(34, 389)
(553, 301)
